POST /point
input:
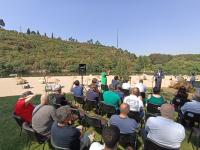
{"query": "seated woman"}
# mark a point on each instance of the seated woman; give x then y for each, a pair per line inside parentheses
(180, 98)
(156, 98)
(93, 93)
(77, 89)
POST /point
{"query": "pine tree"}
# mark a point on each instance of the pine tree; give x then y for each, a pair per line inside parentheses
(28, 31)
(38, 33)
(52, 35)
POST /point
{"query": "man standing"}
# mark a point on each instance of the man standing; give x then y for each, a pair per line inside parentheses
(104, 75)
(158, 78)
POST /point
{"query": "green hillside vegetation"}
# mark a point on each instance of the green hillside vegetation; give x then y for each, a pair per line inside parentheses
(34, 54)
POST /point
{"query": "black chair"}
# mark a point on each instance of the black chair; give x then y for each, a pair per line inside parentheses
(90, 104)
(152, 110)
(79, 100)
(104, 87)
(57, 147)
(108, 109)
(79, 113)
(150, 145)
(189, 119)
(127, 140)
(135, 115)
(19, 121)
(196, 131)
(34, 136)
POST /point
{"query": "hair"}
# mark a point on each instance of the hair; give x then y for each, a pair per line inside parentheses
(62, 114)
(25, 94)
(94, 80)
(156, 90)
(182, 93)
(140, 81)
(116, 77)
(111, 87)
(111, 136)
(77, 83)
(135, 91)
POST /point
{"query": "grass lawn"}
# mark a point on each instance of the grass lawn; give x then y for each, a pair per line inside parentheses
(9, 130)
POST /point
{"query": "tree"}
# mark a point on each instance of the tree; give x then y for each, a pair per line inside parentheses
(2, 23)
(71, 39)
(90, 41)
(33, 32)
(45, 34)
(38, 33)
(52, 35)
(28, 31)
(97, 43)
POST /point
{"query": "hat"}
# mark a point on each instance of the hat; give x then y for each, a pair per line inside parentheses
(62, 113)
(27, 93)
(126, 86)
(57, 87)
(197, 96)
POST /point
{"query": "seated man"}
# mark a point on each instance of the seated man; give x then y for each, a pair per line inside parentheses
(119, 91)
(77, 89)
(163, 130)
(64, 134)
(24, 107)
(115, 82)
(123, 122)
(110, 137)
(134, 101)
(193, 106)
(59, 96)
(111, 98)
(156, 98)
(43, 116)
(93, 93)
(142, 88)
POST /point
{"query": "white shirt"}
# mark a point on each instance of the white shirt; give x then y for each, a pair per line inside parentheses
(96, 146)
(193, 106)
(165, 131)
(141, 87)
(134, 102)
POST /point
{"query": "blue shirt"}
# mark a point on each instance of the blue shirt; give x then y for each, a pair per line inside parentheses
(92, 95)
(77, 91)
(125, 125)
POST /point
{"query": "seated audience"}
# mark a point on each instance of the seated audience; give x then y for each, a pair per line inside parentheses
(126, 88)
(111, 98)
(142, 88)
(193, 106)
(64, 134)
(115, 82)
(110, 137)
(77, 89)
(93, 93)
(180, 98)
(95, 81)
(24, 107)
(119, 91)
(43, 116)
(59, 96)
(134, 101)
(163, 130)
(156, 98)
(122, 121)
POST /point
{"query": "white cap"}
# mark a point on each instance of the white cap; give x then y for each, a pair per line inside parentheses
(126, 86)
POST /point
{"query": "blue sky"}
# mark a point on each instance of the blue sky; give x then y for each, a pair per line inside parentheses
(145, 26)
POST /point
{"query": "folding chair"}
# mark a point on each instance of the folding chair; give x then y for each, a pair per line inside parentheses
(19, 121)
(128, 140)
(152, 110)
(108, 109)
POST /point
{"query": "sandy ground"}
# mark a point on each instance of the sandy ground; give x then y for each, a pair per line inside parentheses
(9, 87)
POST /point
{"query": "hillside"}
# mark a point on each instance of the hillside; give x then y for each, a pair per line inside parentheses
(35, 54)
(25, 54)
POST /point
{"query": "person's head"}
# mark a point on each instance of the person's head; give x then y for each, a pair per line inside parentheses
(182, 93)
(44, 99)
(135, 91)
(26, 94)
(58, 88)
(93, 87)
(193, 74)
(196, 96)
(111, 136)
(94, 80)
(156, 90)
(64, 115)
(111, 88)
(119, 87)
(167, 111)
(77, 83)
(140, 81)
(116, 78)
(124, 109)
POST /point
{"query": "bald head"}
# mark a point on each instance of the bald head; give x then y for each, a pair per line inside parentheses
(135, 91)
(167, 111)
(44, 100)
(124, 109)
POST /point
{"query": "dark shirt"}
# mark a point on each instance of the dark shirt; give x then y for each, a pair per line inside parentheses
(66, 137)
(120, 93)
(92, 95)
(179, 102)
(60, 99)
(77, 91)
(115, 83)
